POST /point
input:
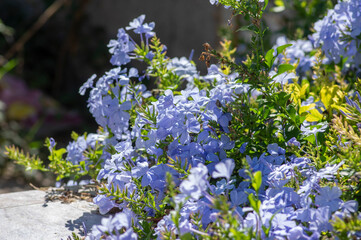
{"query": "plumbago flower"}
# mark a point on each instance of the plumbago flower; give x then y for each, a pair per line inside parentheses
(115, 227)
(337, 33)
(111, 110)
(182, 67)
(224, 158)
(174, 157)
(77, 148)
(121, 48)
(174, 126)
(286, 212)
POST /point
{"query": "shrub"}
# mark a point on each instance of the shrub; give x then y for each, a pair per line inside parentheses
(266, 148)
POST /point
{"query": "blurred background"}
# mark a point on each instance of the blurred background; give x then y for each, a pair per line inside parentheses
(49, 48)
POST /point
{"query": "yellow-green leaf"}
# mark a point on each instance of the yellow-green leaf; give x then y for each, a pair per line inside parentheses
(339, 108)
(331, 94)
(303, 90)
(314, 116)
(306, 108)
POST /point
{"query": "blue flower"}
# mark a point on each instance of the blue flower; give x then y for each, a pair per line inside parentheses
(120, 48)
(283, 78)
(76, 150)
(150, 55)
(196, 183)
(242, 149)
(293, 142)
(275, 150)
(140, 169)
(297, 233)
(238, 197)
(320, 220)
(87, 84)
(156, 177)
(224, 169)
(314, 129)
(221, 187)
(52, 144)
(138, 26)
(337, 32)
(104, 203)
(329, 197)
(349, 207)
(117, 227)
(182, 67)
(226, 143)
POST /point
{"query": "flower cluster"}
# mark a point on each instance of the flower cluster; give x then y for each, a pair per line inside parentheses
(115, 227)
(337, 33)
(244, 152)
(186, 137)
(285, 211)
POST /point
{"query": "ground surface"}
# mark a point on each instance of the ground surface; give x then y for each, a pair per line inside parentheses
(27, 215)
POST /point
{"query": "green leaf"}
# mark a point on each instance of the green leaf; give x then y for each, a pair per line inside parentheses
(269, 58)
(282, 99)
(75, 236)
(8, 67)
(74, 135)
(250, 27)
(284, 68)
(36, 144)
(257, 181)
(311, 139)
(292, 112)
(59, 152)
(255, 204)
(252, 201)
(265, 5)
(283, 47)
(82, 165)
(266, 229)
(187, 236)
(31, 162)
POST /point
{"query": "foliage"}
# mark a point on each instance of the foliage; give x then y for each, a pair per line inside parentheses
(267, 148)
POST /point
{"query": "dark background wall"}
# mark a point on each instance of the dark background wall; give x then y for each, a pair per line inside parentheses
(182, 25)
(71, 45)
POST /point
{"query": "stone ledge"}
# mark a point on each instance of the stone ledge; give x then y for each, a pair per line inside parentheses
(26, 215)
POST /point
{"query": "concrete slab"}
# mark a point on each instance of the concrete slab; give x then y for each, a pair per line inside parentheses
(26, 215)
